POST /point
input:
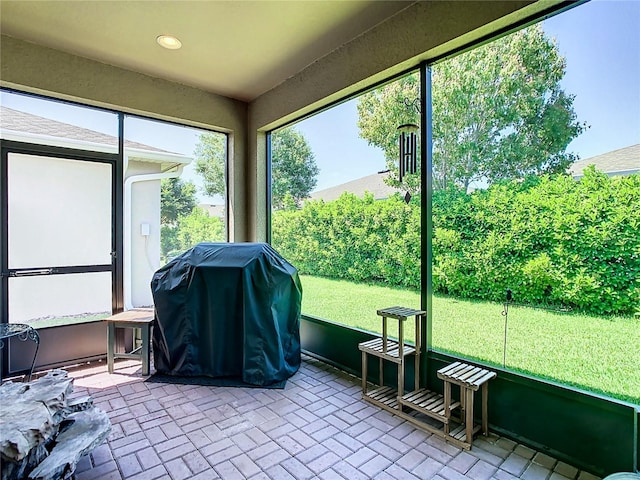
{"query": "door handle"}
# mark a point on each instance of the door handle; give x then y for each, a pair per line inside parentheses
(31, 273)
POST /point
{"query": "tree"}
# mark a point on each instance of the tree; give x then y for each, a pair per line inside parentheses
(190, 229)
(177, 199)
(198, 227)
(293, 167)
(499, 112)
(211, 154)
(293, 171)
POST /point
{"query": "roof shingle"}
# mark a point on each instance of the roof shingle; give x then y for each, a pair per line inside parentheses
(623, 161)
(24, 122)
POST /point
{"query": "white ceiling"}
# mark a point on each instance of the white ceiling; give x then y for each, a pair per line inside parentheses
(238, 49)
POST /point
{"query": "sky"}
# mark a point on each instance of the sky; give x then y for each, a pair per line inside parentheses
(601, 43)
(599, 39)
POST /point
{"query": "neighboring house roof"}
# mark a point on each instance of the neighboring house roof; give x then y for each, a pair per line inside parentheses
(624, 161)
(23, 126)
(373, 184)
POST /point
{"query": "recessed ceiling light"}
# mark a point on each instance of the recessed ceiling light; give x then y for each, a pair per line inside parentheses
(169, 41)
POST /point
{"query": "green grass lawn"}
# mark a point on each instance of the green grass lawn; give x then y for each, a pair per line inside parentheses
(594, 353)
(68, 320)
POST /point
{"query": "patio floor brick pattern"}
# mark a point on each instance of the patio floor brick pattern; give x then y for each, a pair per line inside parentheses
(318, 427)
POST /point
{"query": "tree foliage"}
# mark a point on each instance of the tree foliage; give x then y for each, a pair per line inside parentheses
(190, 230)
(211, 154)
(499, 112)
(294, 170)
(177, 198)
(293, 167)
(183, 223)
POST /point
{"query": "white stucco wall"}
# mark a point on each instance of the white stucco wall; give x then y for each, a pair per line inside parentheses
(52, 296)
(145, 250)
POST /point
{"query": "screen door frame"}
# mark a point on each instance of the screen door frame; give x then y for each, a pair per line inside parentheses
(73, 343)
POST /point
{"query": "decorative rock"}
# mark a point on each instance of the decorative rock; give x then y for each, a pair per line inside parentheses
(31, 412)
(43, 434)
(87, 430)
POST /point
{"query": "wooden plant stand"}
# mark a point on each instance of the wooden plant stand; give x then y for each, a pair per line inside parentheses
(421, 400)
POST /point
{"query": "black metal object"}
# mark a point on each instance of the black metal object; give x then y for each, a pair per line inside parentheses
(22, 332)
(505, 313)
(408, 141)
(426, 219)
(269, 187)
(117, 228)
(415, 104)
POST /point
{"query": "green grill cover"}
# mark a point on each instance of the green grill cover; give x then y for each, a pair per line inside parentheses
(228, 310)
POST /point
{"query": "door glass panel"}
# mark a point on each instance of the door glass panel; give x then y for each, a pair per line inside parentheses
(46, 301)
(59, 212)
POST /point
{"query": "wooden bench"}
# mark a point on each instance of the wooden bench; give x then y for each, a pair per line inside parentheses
(141, 318)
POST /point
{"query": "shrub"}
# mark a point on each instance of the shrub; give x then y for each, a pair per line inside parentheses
(551, 240)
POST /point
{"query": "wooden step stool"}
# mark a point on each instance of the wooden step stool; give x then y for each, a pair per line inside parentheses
(469, 378)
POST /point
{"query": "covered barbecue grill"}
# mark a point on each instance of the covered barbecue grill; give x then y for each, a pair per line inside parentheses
(228, 310)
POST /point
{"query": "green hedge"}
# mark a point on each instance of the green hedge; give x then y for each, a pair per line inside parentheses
(352, 238)
(550, 240)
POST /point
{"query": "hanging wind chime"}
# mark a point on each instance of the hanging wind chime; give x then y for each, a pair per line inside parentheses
(408, 159)
(408, 143)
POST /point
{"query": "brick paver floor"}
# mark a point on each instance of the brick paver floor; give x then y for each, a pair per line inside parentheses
(318, 427)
